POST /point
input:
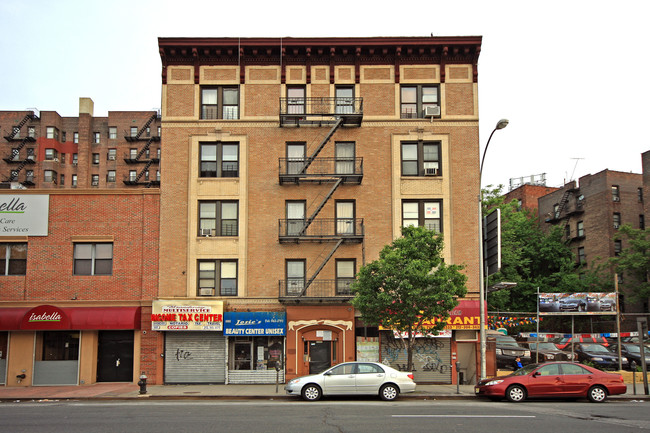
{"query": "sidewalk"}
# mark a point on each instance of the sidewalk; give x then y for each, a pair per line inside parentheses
(129, 391)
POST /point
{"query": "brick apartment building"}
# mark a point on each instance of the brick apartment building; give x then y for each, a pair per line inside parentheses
(527, 195)
(47, 151)
(591, 211)
(79, 216)
(289, 163)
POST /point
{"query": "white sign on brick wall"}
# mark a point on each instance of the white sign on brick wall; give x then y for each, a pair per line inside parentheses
(24, 215)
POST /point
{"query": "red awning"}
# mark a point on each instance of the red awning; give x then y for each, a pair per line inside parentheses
(79, 318)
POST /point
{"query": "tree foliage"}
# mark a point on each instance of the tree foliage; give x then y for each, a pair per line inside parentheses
(409, 285)
(634, 261)
(533, 259)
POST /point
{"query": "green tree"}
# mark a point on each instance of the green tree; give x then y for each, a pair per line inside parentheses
(634, 261)
(533, 259)
(409, 285)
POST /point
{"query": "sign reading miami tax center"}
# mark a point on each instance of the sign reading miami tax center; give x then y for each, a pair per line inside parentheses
(24, 215)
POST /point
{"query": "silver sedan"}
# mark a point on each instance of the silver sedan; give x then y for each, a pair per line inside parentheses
(353, 378)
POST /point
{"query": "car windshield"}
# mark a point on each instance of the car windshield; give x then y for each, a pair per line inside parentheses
(507, 342)
(595, 348)
(636, 349)
(542, 346)
(525, 370)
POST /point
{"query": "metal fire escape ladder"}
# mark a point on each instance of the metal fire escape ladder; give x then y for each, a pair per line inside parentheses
(308, 161)
(311, 218)
(144, 170)
(146, 125)
(16, 129)
(320, 268)
(144, 149)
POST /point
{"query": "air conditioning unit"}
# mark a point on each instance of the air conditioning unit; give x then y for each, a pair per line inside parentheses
(56, 160)
(206, 292)
(111, 157)
(616, 226)
(432, 111)
(431, 172)
(30, 157)
(74, 163)
(95, 183)
(616, 198)
(207, 232)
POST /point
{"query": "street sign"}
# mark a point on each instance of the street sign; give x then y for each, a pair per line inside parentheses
(492, 243)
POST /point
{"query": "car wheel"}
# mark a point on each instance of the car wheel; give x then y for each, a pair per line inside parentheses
(597, 394)
(516, 393)
(388, 392)
(311, 392)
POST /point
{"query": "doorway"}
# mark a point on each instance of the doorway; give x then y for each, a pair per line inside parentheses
(115, 356)
(320, 355)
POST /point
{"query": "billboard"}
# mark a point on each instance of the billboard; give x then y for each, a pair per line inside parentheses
(577, 303)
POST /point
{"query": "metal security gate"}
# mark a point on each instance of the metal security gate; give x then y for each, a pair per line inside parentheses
(195, 357)
(431, 357)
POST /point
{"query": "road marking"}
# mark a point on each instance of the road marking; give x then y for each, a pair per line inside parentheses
(463, 416)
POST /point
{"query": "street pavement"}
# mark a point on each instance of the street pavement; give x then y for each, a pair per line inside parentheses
(125, 391)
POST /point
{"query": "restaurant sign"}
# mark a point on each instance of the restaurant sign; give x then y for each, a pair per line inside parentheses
(186, 315)
(256, 324)
(45, 317)
(466, 315)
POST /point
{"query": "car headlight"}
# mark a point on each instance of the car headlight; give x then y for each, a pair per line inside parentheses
(293, 381)
(494, 382)
(498, 351)
(550, 357)
(624, 359)
(596, 358)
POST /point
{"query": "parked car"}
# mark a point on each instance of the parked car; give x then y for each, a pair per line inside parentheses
(633, 353)
(573, 304)
(508, 350)
(545, 351)
(353, 378)
(599, 355)
(563, 344)
(553, 379)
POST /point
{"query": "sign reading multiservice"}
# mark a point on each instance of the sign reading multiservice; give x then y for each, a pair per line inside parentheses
(256, 324)
(186, 315)
(24, 215)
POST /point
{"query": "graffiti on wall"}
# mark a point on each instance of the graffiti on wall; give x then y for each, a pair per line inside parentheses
(425, 355)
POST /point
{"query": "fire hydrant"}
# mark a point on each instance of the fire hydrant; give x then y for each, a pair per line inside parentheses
(142, 383)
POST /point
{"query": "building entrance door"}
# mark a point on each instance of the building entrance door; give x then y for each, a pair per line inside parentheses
(115, 356)
(320, 356)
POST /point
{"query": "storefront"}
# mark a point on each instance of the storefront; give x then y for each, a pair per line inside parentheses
(318, 337)
(195, 347)
(51, 345)
(255, 346)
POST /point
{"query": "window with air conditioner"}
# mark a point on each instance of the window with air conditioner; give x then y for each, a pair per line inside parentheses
(616, 218)
(217, 277)
(420, 158)
(219, 218)
(94, 180)
(419, 100)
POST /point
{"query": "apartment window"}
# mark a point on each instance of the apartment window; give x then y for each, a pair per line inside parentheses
(112, 154)
(345, 274)
(74, 180)
(157, 175)
(133, 153)
(345, 218)
(218, 218)
(295, 272)
(95, 158)
(582, 259)
(112, 132)
(295, 211)
(416, 99)
(75, 158)
(296, 100)
(133, 175)
(93, 258)
(639, 194)
(63, 179)
(52, 132)
(220, 102)
(580, 229)
(13, 258)
(15, 154)
(49, 176)
(63, 137)
(616, 193)
(51, 154)
(95, 180)
(421, 158)
(158, 154)
(147, 132)
(642, 222)
(427, 213)
(110, 176)
(617, 220)
(15, 132)
(217, 277)
(96, 137)
(344, 156)
(75, 137)
(159, 131)
(618, 247)
(29, 176)
(295, 158)
(219, 160)
(344, 96)
(31, 132)
(134, 131)
(63, 158)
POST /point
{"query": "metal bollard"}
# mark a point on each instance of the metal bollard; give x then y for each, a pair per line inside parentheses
(142, 383)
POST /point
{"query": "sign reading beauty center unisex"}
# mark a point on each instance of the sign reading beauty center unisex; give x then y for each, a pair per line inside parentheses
(186, 315)
(255, 324)
(24, 215)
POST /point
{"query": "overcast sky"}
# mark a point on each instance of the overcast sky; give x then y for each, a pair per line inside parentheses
(571, 76)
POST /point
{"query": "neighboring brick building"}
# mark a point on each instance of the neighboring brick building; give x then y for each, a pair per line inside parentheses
(591, 210)
(45, 150)
(527, 196)
(289, 163)
(78, 270)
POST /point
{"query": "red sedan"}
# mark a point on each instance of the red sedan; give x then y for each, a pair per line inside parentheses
(553, 379)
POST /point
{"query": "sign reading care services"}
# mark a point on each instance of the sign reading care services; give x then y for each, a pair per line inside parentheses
(186, 315)
(24, 215)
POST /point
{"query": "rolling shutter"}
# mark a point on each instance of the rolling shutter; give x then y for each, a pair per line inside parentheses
(431, 357)
(195, 357)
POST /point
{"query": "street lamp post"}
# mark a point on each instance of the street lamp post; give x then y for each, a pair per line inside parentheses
(483, 320)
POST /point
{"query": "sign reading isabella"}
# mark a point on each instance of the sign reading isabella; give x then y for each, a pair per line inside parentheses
(45, 317)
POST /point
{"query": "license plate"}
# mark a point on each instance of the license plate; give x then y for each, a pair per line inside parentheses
(476, 390)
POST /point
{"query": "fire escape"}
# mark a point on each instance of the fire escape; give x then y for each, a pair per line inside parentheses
(17, 163)
(330, 173)
(141, 176)
(565, 209)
